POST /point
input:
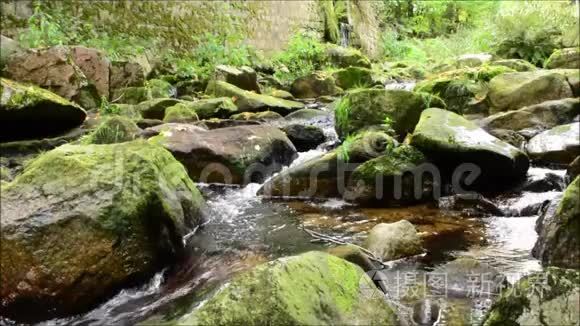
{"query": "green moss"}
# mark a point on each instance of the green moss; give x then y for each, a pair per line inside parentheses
(396, 161)
(115, 129)
(221, 107)
(363, 108)
(353, 77)
(530, 293)
(310, 289)
(247, 101)
(180, 112)
(257, 116)
(17, 95)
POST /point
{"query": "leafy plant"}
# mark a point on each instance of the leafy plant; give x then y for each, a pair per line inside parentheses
(531, 30)
(303, 55)
(107, 108)
(341, 113)
(345, 147)
(43, 30)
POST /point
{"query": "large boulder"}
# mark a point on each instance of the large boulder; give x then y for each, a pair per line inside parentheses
(390, 241)
(399, 109)
(459, 94)
(346, 57)
(67, 71)
(83, 221)
(28, 111)
(126, 74)
(513, 91)
(558, 228)
(243, 77)
(247, 101)
(308, 114)
(397, 178)
(535, 118)
(326, 176)
(568, 58)
(314, 85)
(304, 137)
(234, 155)
(314, 288)
(557, 145)
(450, 140)
(353, 77)
(467, 277)
(549, 297)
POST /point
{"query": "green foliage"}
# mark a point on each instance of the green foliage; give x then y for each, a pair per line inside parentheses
(531, 30)
(107, 108)
(303, 55)
(344, 149)
(43, 30)
(341, 113)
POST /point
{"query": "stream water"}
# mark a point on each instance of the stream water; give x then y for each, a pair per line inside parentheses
(242, 230)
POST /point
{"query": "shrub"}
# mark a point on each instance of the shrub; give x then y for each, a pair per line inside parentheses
(531, 30)
(303, 55)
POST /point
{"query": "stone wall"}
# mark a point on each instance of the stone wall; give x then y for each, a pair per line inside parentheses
(267, 24)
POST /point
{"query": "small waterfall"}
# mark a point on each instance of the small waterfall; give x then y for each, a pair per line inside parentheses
(344, 34)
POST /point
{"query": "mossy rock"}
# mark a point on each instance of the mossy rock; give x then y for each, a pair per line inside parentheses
(310, 289)
(513, 91)
(353, 77)
(515, 64)
(558, 229)
(242, 77)
(568, 58)
(88, 220)
(314, 85)
(347, 57)
(247, 101)
(155, 108)
(180, 112)
(257, 116)
(558, 145)
(327, 175)
(28, 111)
(451, 140)
(399, 109)
(221, 107)
(548, 297)
(458, 94)
(399, 173)
(154, 88)
(535, 118)
(278, 93)
(114, 129)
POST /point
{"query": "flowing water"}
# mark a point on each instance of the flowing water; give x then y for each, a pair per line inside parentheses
(243, 230)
